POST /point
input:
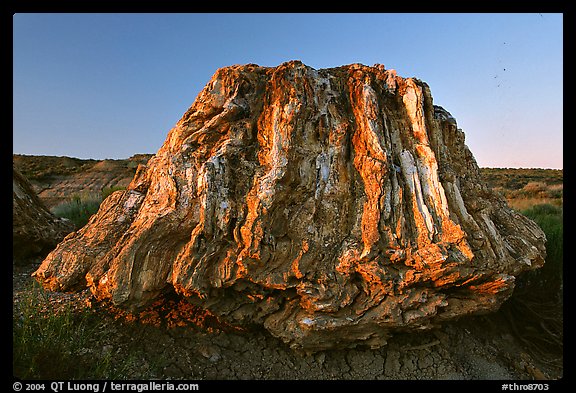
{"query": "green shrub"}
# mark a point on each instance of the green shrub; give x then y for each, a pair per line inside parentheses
(49, 345)
(109, 190)
(79, 208)
(535, 309)
(548, 279)
(66, 343)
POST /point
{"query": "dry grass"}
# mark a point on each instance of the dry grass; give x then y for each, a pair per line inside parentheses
(525, 188)
(535, 310)
(527, 203)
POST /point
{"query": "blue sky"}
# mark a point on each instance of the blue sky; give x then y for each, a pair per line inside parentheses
(112, 85)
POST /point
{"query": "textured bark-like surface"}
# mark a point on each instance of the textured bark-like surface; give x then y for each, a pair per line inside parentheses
(35, 231)
(331, 206)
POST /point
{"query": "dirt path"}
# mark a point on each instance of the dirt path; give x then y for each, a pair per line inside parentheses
(174, 341)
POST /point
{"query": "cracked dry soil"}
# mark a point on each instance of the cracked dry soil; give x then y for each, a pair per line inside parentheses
(173, 340)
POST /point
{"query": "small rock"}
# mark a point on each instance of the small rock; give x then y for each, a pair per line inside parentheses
(210, 352)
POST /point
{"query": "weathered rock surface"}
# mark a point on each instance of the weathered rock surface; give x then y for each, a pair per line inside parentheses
(35, 231)
(331, 206)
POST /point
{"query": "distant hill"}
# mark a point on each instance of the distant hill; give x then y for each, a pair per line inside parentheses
(56, 179)
(525, 187)
(516, 178)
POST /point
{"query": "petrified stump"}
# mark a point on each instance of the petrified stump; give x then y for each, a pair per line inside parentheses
(332, 206)
(35, 231)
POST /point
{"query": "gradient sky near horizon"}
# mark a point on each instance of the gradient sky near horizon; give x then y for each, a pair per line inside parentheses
(113, 85)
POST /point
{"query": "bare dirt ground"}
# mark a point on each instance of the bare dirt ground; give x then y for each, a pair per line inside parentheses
(174, 340)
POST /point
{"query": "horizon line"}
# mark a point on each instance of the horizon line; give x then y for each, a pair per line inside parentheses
(135, 154)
